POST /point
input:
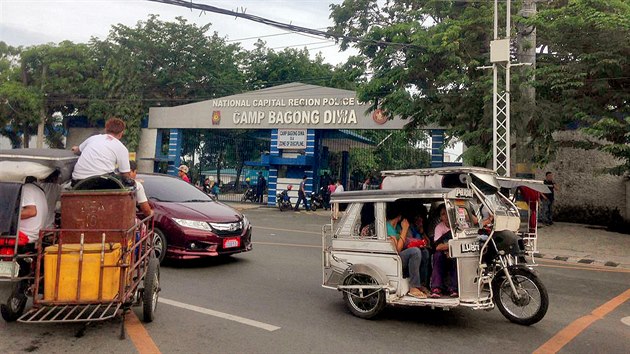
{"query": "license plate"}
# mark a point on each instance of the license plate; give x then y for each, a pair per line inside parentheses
(9, 269)
(231, 242)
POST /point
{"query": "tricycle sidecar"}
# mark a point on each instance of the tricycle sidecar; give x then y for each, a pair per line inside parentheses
(361, 262)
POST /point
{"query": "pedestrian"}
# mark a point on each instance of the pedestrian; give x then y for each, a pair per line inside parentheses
(261, 185)
(100, 154)
(302, 195)
(366, 184)
(182, 172)
(547, 199)
(338, 188)
(207, 185)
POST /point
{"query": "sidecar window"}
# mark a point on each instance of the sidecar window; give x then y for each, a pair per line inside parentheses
(10, 196)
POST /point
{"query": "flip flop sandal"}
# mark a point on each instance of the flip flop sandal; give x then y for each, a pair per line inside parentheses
(418, 294)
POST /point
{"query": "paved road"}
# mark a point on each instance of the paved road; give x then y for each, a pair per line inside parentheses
(270, 301)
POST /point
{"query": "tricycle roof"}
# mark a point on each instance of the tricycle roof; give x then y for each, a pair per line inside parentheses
(17, 164)
(379, 195)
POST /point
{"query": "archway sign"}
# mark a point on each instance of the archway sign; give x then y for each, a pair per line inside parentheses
(295, 114)
(289, 106)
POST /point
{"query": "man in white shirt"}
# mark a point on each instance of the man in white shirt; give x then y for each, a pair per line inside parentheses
(100, 154)
(34, 211)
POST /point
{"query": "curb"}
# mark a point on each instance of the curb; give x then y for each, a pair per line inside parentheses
(579, 260)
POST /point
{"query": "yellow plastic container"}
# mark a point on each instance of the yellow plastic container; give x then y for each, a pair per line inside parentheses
(90, 272)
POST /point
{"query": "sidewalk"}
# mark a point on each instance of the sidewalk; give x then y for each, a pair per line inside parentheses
(584, 244)
(568, 242)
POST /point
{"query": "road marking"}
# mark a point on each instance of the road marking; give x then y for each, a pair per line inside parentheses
(289, 230)
(626, 321)
(585, 267)
(139, 335)
(286, 244)
(576, 327)
(214, 313)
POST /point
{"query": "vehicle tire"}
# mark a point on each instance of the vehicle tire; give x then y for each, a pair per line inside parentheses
(14, 308)
(243, 198)
(151, 289)
(159, 244)
(313, 207)
(533, 303)
(360, 304)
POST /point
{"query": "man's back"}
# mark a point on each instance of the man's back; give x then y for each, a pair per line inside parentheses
(99, 156)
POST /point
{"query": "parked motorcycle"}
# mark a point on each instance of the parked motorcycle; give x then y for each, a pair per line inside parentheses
(317, 200)
(284, 200)
(249, 195)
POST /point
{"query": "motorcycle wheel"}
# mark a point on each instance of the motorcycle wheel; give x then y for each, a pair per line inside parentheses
(313, 207)
(14, 308)
(358, 302)
(533, 301)
(243, 198)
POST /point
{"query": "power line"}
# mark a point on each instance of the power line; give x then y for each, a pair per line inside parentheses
(281, 25)
(271, 35)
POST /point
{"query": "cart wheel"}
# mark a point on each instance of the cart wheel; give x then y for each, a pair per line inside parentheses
(14, 308)
(151, 289)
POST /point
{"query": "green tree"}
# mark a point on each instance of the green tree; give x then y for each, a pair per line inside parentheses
(584, 78)
(54, 76)
(428, 74)
(265, 67)
(159, 63)
(428, 71)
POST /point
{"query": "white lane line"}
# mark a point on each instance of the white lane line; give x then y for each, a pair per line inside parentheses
(226, 316)
(626, 321)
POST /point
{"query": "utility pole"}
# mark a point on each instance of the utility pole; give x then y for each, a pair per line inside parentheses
(501, 64)
(526, 54)
(500, 58)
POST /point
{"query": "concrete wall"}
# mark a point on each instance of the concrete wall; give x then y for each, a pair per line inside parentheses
(580, 179)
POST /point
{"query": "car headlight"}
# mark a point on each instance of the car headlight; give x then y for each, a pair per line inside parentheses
(193, 224)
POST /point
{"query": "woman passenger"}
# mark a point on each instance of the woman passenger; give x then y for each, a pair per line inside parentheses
(397, 231)
(443, 265)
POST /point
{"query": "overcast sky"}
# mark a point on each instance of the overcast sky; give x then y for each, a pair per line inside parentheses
(29, 22)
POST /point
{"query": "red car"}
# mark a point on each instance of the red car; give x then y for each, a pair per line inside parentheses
(189, 224)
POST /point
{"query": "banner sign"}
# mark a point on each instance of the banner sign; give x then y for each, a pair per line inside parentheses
(291, 138)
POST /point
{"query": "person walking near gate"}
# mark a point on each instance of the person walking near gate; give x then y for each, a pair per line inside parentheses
(302, 195)
(547, 200)
(261, 185)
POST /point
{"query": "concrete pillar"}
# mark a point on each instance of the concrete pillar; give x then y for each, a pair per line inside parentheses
(146, 150)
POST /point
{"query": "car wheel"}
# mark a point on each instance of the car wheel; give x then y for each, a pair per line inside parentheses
(159, 244)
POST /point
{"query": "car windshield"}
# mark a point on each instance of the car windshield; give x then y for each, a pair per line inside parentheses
(170, 189)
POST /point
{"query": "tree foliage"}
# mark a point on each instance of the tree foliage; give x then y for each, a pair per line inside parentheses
(428, 73)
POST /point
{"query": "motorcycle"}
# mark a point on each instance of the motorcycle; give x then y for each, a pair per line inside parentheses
(249, 195)
(317, 200)
(284, 200)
